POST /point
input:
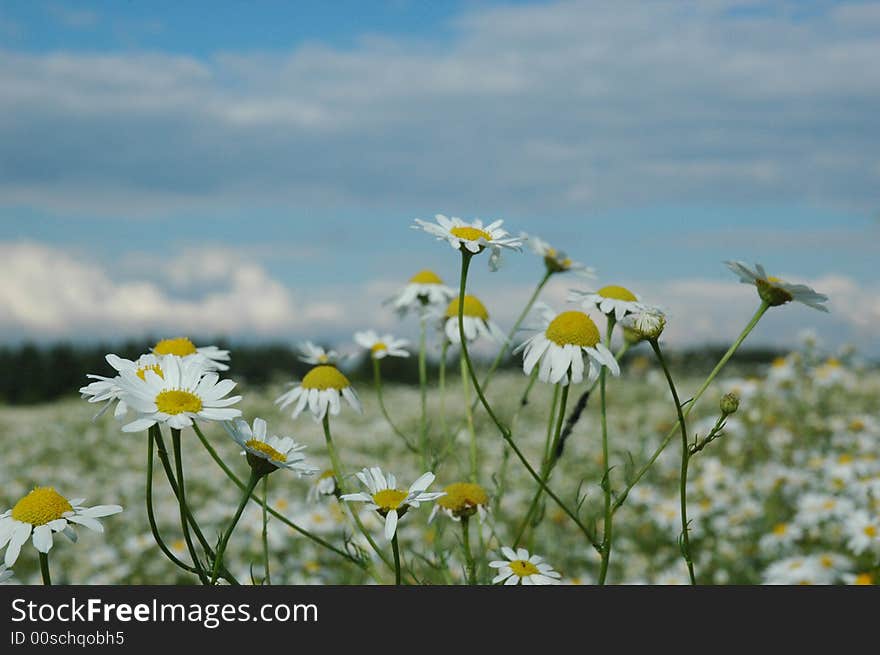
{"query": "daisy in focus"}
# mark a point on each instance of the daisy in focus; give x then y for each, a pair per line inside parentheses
(555, 260)
(560, 346)
(266, 453)
(776, 292)
(107, 390)
(181, 394)
(211, 357)
(475, 320)
(462, 499)
(521, 568)
(472, 237)
(320, 391)
(315, 355)
(42, 513)
(425, 289)
(390, 502)
(381, 347)
(611, 300)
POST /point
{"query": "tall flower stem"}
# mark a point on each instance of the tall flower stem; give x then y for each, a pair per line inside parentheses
(377, 380)
(762, 309)
(685, 459)
(184, 508)
(423, 388)
(607, 528)
(469, 416)
(395, 549)
(466, 545)
(441, 382)
(44, 569)
(502, 429)
(267, 579)
(224, 540)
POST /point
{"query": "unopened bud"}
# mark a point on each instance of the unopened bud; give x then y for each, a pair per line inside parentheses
(729, 403)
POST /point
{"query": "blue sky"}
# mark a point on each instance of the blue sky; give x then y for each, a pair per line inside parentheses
(179, 155)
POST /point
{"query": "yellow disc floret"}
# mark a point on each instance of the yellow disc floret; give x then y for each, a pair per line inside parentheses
(470, 233)
(573, 328)
(463, 498)
(142, 372)
(266, 449)
(41, 506)
(522, 568)
(180, 346)
(389, 499)
(177, 401)
(426, 277)
(378, 347)
(325, 377)
(617, 293)
(472, 307)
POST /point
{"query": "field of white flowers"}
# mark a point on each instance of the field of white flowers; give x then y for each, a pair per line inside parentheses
(788, 494)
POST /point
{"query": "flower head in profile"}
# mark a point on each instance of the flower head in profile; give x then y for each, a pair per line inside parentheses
(424, 290)
(316, 355)
(182, 393)
(776, 292)
(266, 452)
(42, 513)
(462, 499)
(612, 300)
(555, 260)
(320, 391)
(475, 319)
(390, 502)
(107, 390)
(473, 237)
(324, 485)
(646, 323)
(211, 357)
(559, 347)
(383, 346)
(518, 567)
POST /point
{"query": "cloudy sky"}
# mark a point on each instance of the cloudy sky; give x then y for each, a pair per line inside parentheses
(252, 169)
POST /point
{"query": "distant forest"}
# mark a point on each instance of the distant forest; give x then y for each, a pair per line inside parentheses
(32, 373)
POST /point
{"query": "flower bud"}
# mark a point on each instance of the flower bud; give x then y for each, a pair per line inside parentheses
(647, 323)
(729, 403)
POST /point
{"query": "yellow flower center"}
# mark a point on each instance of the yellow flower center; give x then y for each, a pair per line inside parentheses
(827, 561)
(472, 307)
(389, 499)
(470, 233)
(846, 458)
(142, 372)
(770, 291)
(857, 425)
(177, 401)
(780, 529)
(573, 328)
(462, 496)
(326, 474)
(522, 568)
(870, 531)
(325, 377)
(426, 277)
(617, 293)
(833, 363)
(779, 362)
(181, 346)
(41, 506)
(864, 579)
(378, 347)
(266, 449)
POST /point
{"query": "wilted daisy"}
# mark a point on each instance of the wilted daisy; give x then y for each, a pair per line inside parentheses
(476, 322)
(611, 300)
(473, 237)
(107, 390)
(560, 346)
(5, 574)
(775, 291)
(315, 355)
(324, 485)
(521, 568)
(212, 357)
(267, 452)
(555, 260)
(390, 502)
(381, 347)
(43, 512)
(462, 499)
(320, 390)
(183, 393)
(425, 289)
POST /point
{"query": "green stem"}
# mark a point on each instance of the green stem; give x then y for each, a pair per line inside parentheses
(502, 429)
(423, 387)
(730, 351)
(267, 580)
(377, 379)
(468, 556)
(469, 416)
(224, 540)
(44, 569)
(685, 460)
(183, 507)
(395, 548)
(607, 528)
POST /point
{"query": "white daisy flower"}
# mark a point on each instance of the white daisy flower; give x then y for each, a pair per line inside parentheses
(107, 390)
(324, 485)
(425, 289)
(267, 452)
(320, 391)
(863, 533)
(43, 512)
(316, 355)
(775, 291)
(462, 499)
(609, 300)
(389, 501)
(476, 322)
(381, 347)
(521, 568)
(212, 357)
(5, 574)
(560, 346)
(182, 393)
(555, 260)
(473, 237)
